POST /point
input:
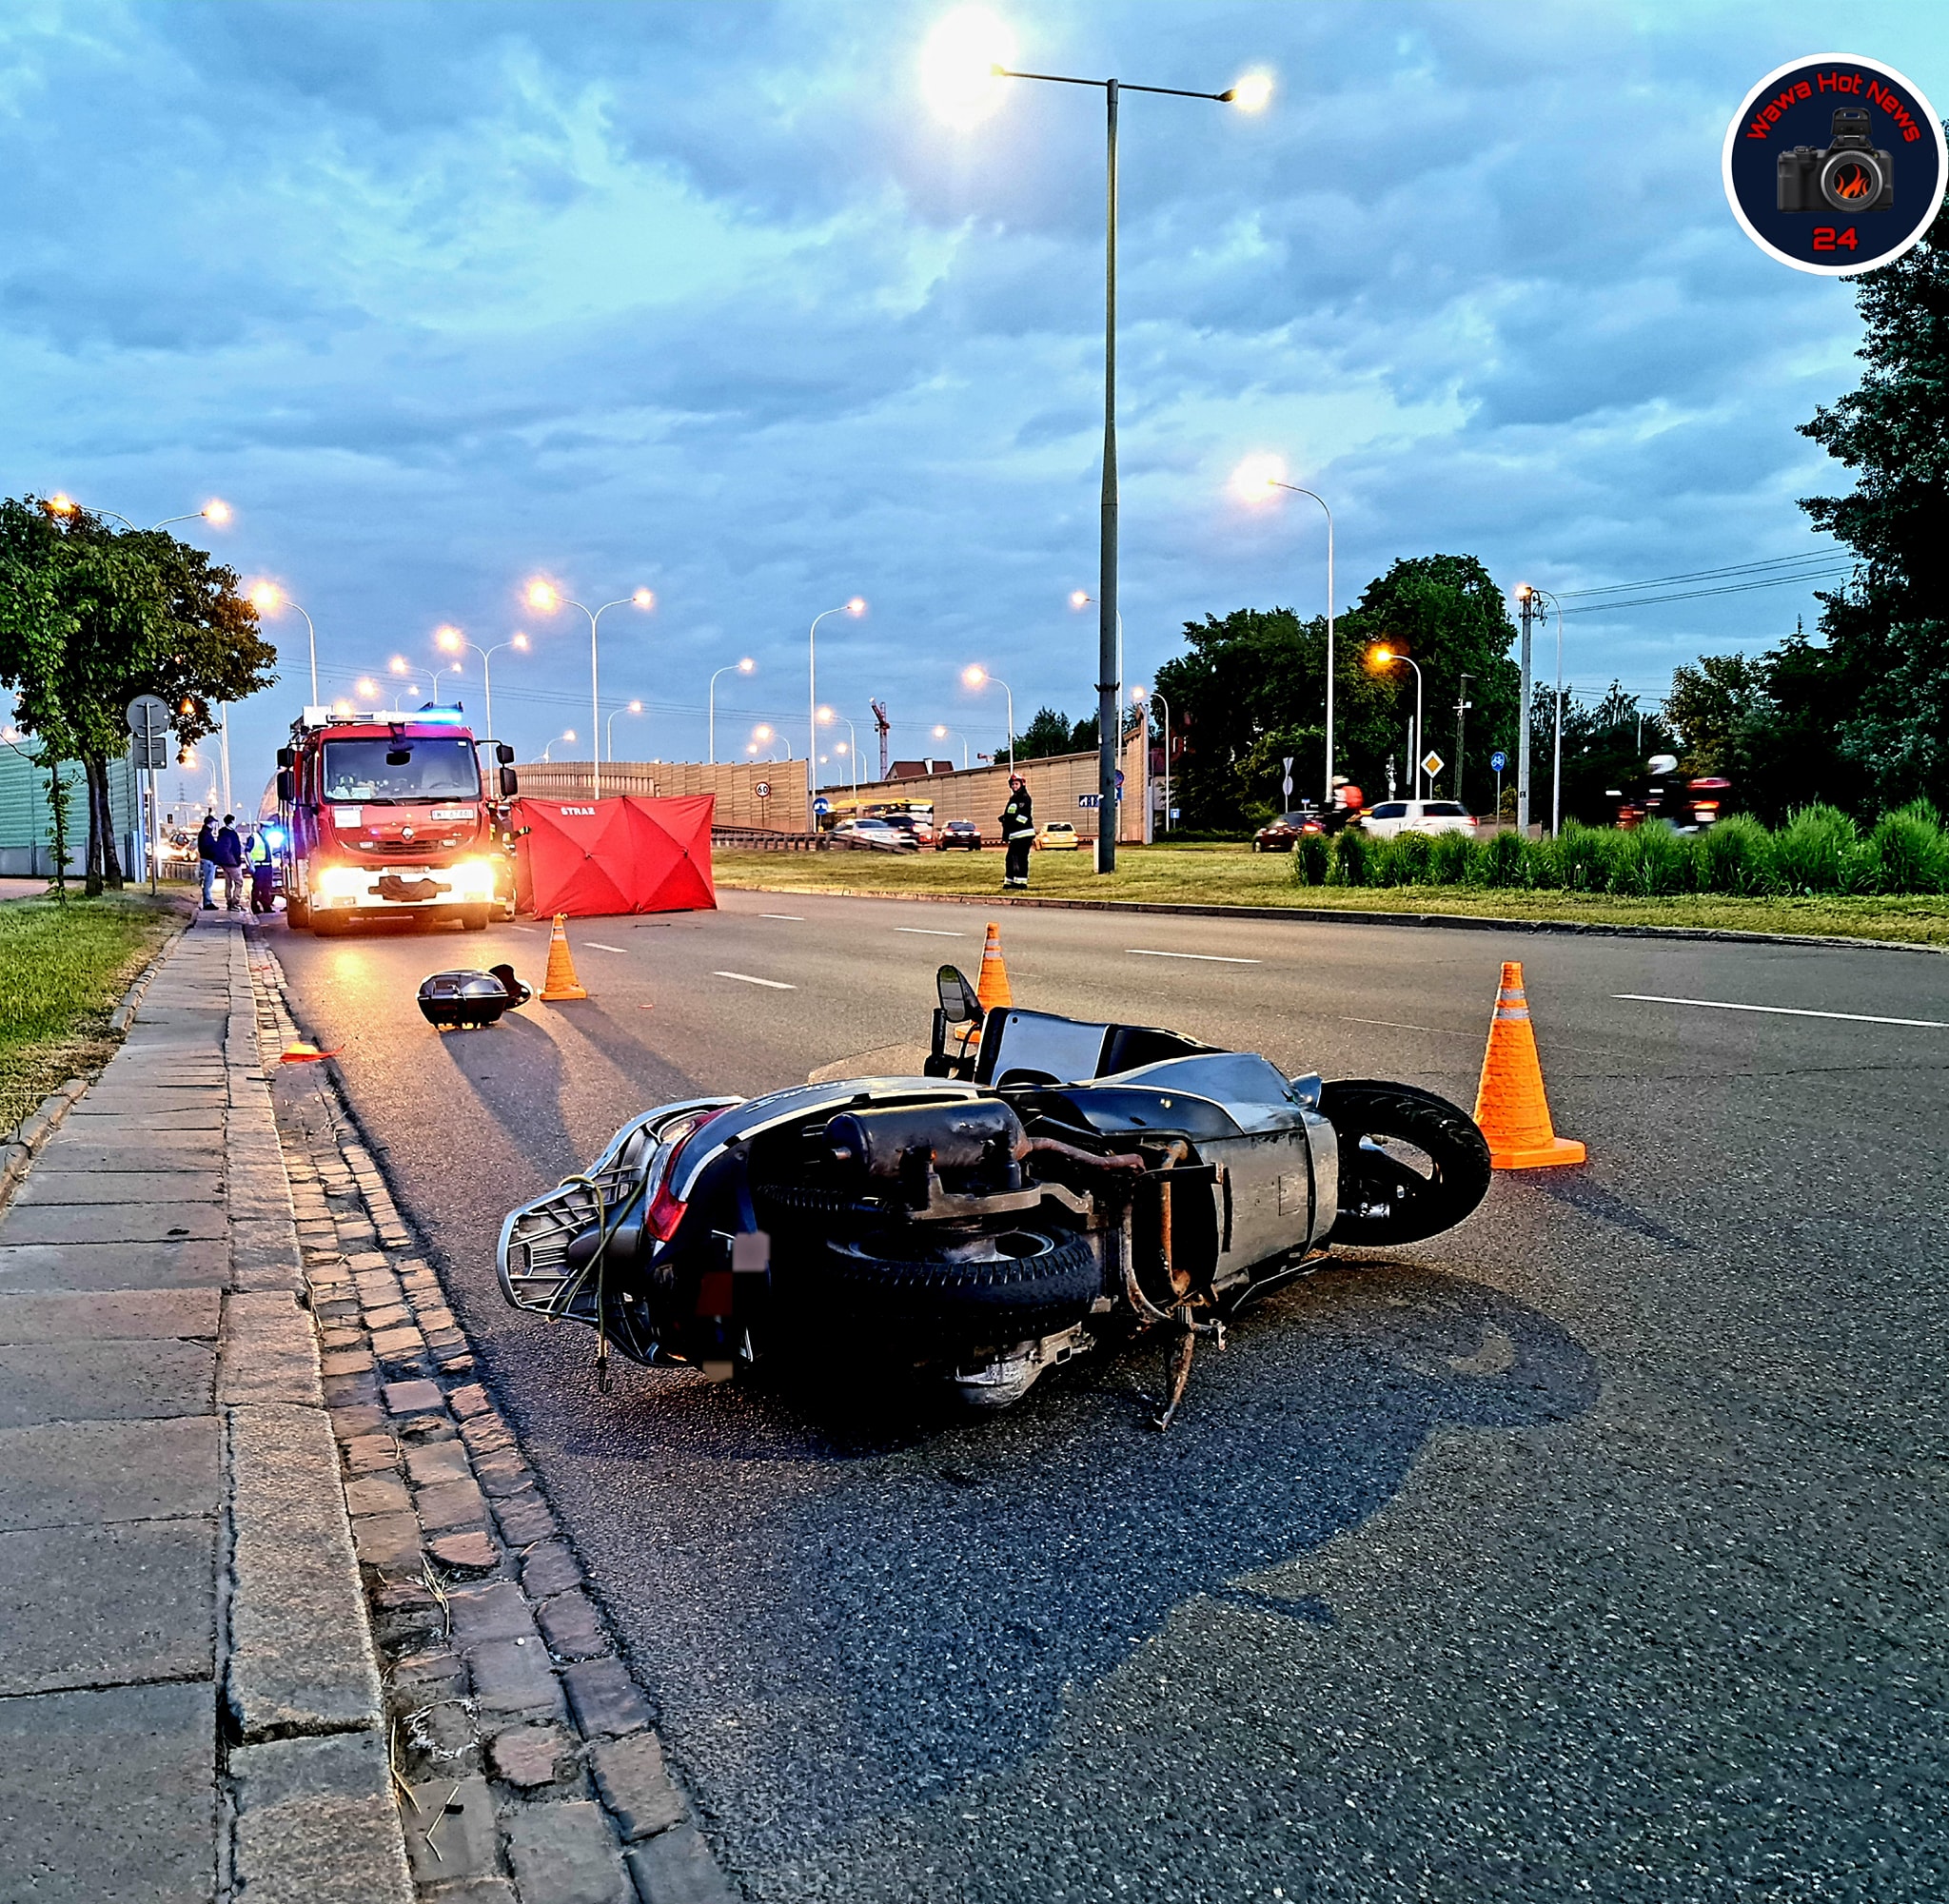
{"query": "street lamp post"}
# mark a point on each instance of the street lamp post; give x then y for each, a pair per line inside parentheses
(1525, 596)
(1158, 695)
(1250, 94)
(828, 716)
(547, 598)
(947, 734)
(979, 676)
(1382, 656)
(856, 608)
(1253, 480)
(743, 667)
(567, 734)
(409, 689)
(266, 598)
(609, 726)
(1556, 770)
(453, 641)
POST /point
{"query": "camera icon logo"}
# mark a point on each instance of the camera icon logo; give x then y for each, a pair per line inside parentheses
(1849, 173)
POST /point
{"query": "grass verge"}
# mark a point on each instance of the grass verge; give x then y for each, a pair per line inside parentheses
(1209, 877)
(62, 970)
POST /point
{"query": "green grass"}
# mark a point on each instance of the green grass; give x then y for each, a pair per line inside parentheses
(1206, 875)
(62, 970)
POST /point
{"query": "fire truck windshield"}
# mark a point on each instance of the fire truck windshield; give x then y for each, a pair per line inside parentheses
(374, 771)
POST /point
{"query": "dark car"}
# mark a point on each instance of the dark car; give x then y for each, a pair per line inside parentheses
(1281, 834)
(958, 832)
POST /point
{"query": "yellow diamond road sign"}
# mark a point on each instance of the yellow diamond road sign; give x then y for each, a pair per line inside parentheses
(1432, 763)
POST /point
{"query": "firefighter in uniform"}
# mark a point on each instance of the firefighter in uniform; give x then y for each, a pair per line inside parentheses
(1017, 831)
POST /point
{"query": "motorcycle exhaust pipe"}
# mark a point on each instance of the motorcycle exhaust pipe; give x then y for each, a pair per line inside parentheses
(890, 1143)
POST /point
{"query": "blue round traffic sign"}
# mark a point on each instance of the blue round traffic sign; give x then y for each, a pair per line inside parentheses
(1497, 762)
(821, 805)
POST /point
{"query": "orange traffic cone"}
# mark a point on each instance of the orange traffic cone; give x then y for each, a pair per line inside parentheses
(993, 987)
(561, 982)
(1509, 1104)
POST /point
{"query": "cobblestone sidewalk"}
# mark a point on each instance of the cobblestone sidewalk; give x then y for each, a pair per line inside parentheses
(523, 1755)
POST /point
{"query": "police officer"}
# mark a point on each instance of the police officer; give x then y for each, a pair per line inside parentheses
(1017, 831)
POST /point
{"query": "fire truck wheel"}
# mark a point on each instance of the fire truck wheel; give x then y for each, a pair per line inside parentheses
(474, 918)
(297, 914)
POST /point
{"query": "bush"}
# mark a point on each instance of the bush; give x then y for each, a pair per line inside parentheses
(1502, 861)
(1586, 858)
(1818, 851)
(1737, 857)
(1406, 860)
(1907, 852)
(1352, 849)
(1654, 860)
(1311, 853)
(1453, 859)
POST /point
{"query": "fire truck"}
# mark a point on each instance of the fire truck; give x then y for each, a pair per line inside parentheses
(391, 814)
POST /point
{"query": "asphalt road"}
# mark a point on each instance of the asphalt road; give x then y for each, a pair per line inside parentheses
(1595, 1549)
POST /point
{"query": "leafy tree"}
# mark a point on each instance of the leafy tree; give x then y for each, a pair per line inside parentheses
(1049, 732)
(91, 618)
(1882, 681)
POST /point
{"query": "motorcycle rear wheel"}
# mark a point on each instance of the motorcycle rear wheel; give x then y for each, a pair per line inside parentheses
(1013, 1283)
(1412, 1164)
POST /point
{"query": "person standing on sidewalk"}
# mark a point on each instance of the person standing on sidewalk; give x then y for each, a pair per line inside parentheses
(229, 856)
(1017, 831)
(207, 860)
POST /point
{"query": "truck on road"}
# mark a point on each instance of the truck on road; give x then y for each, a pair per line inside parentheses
(390, 813)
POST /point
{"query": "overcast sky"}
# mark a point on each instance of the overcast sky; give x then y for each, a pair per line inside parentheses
(707, 297)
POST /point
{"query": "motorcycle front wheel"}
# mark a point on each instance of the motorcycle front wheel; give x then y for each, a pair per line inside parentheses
(1412, 1164)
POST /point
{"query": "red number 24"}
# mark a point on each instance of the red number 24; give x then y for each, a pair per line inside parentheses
(1825, 239)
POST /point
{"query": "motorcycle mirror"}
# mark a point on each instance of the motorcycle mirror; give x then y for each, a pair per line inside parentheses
(959, 1005)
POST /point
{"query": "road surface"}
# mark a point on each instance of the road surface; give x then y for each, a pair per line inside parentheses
(1594, 1549)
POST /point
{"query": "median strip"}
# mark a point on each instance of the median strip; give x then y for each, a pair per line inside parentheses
(1784, 1010)
(1210, 958)
(745, 978)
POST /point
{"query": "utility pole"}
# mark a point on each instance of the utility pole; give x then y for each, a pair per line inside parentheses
(1461, 707)
(1527, 595)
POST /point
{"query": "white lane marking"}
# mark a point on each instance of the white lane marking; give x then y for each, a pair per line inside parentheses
(1784, 1010)
(797, 918)
(1210, 958)
(530, 929)
(745, 977)
(1397, 1024)
(600, 947)
(928, 933)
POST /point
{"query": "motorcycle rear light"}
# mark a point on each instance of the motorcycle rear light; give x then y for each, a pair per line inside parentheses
(665, 1214)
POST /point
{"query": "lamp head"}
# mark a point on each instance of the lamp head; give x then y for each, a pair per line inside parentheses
(61, 503)
(975, 676)
(962, 64)
(1139, 691)
(1523, 591)
(825, 716)
(216, 510)
(450, 637)
(761, 733)
(1382, 654)
(643, 598)
(266, 598)
(519, 641)
(636, 707)
(940, 733)
(1257, 477)
(1250, 92)
(857, 607)
(397, 664)
(541, 595)
(367, 688)
(1081, 597)
(745, 666)
(568, 734)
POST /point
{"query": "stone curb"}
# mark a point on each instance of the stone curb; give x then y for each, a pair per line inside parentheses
(1311, 915)
(306, 1779)
(521, 1753)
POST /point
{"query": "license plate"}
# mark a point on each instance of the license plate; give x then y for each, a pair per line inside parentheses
(453, 812)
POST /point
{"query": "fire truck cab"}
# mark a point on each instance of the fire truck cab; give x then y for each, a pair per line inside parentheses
(390, 813)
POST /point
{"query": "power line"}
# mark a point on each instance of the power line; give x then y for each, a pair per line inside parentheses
(1696, 593)
(1707, 575)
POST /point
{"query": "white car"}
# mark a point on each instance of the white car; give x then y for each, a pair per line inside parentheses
(875, 835)
(1387, 817)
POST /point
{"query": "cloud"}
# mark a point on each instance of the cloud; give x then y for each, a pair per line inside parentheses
(438, 296)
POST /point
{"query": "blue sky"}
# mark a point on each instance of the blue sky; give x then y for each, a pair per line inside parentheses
(705, 298)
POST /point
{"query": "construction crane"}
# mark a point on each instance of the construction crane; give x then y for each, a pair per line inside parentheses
(885, 727)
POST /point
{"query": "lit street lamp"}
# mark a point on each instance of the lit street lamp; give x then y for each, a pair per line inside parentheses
(949, 733)
(763, 736)
(453, 641)
(215, 510)
(409, 689)
(743, 667)
(966, 54)
(545, 596)
(1252, 481)
(1385, 657)
(979, 676)
(1081, 598)
(609, 726)
(1137, 694)
(852, 751)
(268, 597)
(856, 608)
(566, 734)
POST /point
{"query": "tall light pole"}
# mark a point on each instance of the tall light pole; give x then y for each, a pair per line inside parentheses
(856, 608)
(545, 596)
(268, 597)
(979, 676)
(1462, 707)
(609, 726)
(1138, 694)
(949, 733)
(453, 641)
(1556, 771)
(1525, 598)
(954, 73)
(1383, 657)
(1254, 480)
(743, 667)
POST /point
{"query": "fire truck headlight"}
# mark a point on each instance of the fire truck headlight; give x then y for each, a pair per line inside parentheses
(340, 882)
(474, 879)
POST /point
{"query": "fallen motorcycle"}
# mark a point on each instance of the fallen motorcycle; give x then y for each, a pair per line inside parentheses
(1048, 1185)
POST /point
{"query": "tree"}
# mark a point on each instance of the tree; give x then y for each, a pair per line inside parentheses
(1049, 732)
(1882, 684)
(91, 618)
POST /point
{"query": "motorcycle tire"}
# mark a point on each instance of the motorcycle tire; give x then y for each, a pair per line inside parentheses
(1032, 1283)
(1389, 1199)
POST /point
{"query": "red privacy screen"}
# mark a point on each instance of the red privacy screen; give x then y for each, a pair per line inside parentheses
(589, 857)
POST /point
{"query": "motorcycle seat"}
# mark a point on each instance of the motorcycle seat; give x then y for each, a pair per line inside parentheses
(1044, 1047)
